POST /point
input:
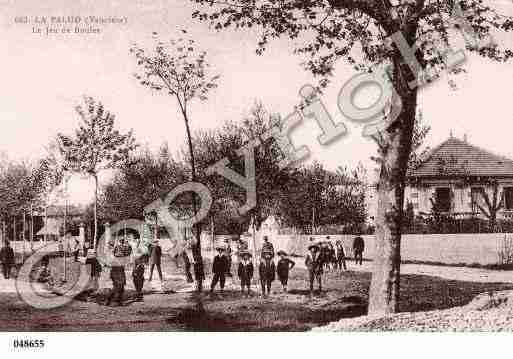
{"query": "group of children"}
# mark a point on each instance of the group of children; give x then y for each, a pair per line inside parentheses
(267, 270)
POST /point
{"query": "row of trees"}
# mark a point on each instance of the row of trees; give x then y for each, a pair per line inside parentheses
(292, 195)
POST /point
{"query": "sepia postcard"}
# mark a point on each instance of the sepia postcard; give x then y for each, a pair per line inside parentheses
(263, 166)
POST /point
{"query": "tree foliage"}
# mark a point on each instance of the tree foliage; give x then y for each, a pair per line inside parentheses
(96, 145)
(359, 32)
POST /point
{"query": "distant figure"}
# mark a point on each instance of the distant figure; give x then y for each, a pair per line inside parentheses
(267, 271)
(219, 269)
(7, 259)
(85, 248)
(187, 266)
(358, 248)
(60, 247)
(155, 259)
(228, 254)
(245, 271)
(76, 249)
(267, 247)
(341, 256)
(117, 272)
(45, 275)
(283, 268)
(199, 272)
(95, 270)
(242, 247)
(313, 262)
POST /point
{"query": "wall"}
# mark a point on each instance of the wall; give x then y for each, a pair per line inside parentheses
(446, 248)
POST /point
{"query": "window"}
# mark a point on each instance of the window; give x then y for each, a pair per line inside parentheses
(476, 198)
(443, 199)
(508, 198)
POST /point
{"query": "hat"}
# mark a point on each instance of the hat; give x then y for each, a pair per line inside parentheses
(219, 248)
(315, 246)
(282, 252)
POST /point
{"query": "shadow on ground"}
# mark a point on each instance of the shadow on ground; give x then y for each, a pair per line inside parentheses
(345, 295)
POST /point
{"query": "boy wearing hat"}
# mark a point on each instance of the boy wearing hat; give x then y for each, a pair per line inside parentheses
(267, 271)
(117, 272)
(140, 259)
(284, 266)
(313, 263)
(219, 269)
(245, 271)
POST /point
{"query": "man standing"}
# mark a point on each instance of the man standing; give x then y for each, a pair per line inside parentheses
(7, 259)
(228, 254)
(155, 259)
(117, 271)
(313, 262)
(341, 256)
(219, 268)
(267, 247)
(267, 272)
(358, 248)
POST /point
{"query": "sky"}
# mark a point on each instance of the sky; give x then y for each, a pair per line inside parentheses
(44, 76)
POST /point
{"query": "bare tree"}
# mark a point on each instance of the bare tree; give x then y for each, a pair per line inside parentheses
(178, 68)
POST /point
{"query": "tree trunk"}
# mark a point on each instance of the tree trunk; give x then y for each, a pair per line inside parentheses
(95, 214)
(196, 249)
(395, 147)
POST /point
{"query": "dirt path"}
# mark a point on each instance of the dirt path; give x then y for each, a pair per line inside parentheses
(476, 275)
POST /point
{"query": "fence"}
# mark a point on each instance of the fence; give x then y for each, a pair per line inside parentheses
(482, 248)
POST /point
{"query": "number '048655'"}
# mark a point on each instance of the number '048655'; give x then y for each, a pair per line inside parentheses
(29, 343)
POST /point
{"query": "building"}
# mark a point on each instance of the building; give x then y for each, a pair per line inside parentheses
(52, 220)
(459, 179)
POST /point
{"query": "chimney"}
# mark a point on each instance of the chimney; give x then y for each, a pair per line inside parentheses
(465, 139)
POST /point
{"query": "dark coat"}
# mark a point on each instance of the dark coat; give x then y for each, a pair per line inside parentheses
(7, 255)
(340, 251)
(155, 254)
(220, 264)
(245, 271)
(358, 244)
(96, 267)
(284, 266)
(314, 263)
(138, 271)
(117, 275)
(267, 271)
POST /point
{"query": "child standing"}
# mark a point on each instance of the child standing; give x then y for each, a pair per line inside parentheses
(138, 276)
(95, 270)
(245, 271)
(267, 271)
(284, 266)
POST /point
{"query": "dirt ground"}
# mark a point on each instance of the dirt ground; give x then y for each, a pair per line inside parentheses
(344, 296)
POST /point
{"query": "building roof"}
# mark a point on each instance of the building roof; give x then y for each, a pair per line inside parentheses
(59, 211)
(456, 158)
